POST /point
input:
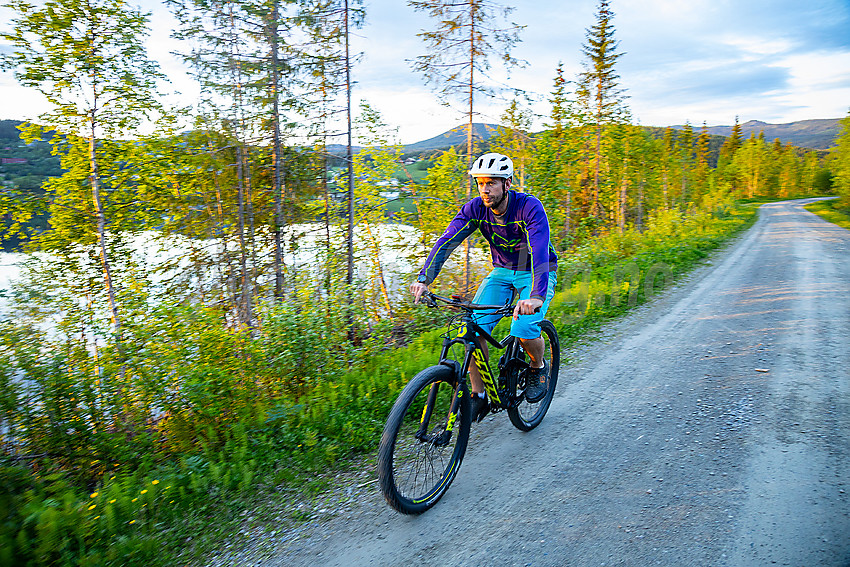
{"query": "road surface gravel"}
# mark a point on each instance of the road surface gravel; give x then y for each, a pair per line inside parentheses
(709, 427)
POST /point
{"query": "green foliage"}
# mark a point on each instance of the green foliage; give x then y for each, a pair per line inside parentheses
(218, 385)
(835, 211)
(598, 88)
(513, 138)
(87, 60)
(840, 163)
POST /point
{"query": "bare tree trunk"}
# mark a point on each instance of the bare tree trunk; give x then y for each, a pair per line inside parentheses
(245, 301)
(640, 206)
(328, 244)
(376, 260)
(226, 273)
(349, 279)
(277, 157)
(252, 244)
(624, 187)
(243, 306)
(469, 156)
(598, 153)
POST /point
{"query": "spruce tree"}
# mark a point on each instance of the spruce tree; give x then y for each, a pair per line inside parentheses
(701, 157)
(685, 146)
(553, 165)
(599, 92)
(732, 143)
(513, 138)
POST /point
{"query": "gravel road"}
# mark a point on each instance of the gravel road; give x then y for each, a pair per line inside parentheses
(710, 427)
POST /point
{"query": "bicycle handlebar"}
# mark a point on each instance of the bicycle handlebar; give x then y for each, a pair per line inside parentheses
(431, 299)
(454, 302)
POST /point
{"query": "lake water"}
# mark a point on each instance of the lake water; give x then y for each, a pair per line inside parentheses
(9, 271)
(396, 242)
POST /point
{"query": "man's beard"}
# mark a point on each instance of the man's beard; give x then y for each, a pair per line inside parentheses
(499, 202)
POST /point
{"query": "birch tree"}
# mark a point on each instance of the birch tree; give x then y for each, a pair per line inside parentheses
(88, 59)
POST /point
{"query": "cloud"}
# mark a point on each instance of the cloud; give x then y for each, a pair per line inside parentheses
(773, 60)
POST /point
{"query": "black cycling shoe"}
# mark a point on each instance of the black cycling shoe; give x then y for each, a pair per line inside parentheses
(480, 407)
(536, 383)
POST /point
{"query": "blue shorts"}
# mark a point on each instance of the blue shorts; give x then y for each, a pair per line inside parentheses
(497, 288)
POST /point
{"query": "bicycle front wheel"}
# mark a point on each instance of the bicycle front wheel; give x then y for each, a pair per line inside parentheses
(526, 416)
(424, 441)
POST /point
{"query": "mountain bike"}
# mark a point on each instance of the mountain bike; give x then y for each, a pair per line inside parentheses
(427, 430)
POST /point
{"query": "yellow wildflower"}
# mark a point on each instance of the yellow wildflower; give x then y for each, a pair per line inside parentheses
(93, 506)
(94, 494)
(144, 491)
(154, 482)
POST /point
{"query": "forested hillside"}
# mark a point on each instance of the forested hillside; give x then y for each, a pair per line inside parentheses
(818, 134)
(215, 310)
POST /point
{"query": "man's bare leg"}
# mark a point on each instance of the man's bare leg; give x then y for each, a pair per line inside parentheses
(476, 383)
(535, 349)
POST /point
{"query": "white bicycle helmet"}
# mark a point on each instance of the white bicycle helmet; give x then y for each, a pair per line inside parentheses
(492, 165)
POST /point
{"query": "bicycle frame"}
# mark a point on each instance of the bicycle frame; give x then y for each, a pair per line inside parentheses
(467, 333)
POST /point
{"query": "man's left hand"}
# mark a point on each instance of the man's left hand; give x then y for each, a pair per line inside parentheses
(527, 306)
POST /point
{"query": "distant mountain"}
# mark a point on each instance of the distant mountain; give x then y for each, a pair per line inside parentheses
(454, 137)
(819, 134)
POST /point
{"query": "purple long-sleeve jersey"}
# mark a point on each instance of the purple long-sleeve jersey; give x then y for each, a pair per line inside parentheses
(524, 227)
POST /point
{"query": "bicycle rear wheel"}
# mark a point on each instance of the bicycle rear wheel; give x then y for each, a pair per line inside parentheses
(526, 416)
(422, 446)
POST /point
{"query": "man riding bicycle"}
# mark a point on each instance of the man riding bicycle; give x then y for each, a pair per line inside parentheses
(517, 228)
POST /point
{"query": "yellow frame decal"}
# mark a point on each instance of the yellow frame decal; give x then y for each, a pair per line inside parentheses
(486, 375)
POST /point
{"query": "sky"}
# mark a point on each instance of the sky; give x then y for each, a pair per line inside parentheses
(698, 61)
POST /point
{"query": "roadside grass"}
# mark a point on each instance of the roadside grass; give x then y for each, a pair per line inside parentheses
(836, 211)
(269, 473)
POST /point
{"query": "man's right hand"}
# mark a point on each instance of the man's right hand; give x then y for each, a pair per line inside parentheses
(418, 289)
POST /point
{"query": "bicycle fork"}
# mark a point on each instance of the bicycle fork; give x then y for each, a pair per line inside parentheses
(442, 438)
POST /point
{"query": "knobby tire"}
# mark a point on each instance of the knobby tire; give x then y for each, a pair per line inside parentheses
(526, 416)
(414, 473)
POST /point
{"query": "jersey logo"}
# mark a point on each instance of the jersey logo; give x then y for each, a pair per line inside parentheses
(503, 242)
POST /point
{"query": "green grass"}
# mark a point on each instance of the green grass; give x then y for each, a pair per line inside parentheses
(417, 171)
(836, 211)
